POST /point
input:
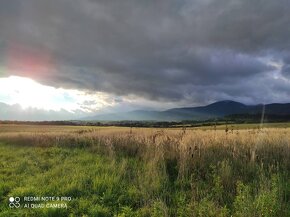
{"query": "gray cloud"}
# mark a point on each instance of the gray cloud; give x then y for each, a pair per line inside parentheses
(286, 66)
(174, 51)
(16, 112)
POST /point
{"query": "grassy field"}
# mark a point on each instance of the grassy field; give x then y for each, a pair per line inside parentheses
(109, 171)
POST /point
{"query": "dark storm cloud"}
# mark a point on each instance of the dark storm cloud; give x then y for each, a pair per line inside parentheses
(286, 66)
(199, 50)
(286, 70)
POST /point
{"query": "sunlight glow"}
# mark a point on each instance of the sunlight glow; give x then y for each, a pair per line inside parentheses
(28, 93)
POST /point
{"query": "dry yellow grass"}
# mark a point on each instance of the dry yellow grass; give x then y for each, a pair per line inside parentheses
(181, 143)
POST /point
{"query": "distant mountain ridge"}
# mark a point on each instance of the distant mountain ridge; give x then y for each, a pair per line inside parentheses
(214, 110)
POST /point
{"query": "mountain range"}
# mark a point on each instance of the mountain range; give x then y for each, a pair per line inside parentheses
(215, 110)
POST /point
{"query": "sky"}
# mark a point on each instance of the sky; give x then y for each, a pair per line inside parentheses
(65, 59)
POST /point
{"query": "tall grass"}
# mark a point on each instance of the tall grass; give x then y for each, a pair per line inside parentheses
(149, 172)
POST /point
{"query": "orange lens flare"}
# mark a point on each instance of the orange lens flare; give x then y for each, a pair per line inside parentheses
(27, 62)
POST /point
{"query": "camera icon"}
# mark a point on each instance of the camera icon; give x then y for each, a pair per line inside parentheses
(14, 202)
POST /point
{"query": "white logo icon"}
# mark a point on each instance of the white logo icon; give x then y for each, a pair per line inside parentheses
(14, 202)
